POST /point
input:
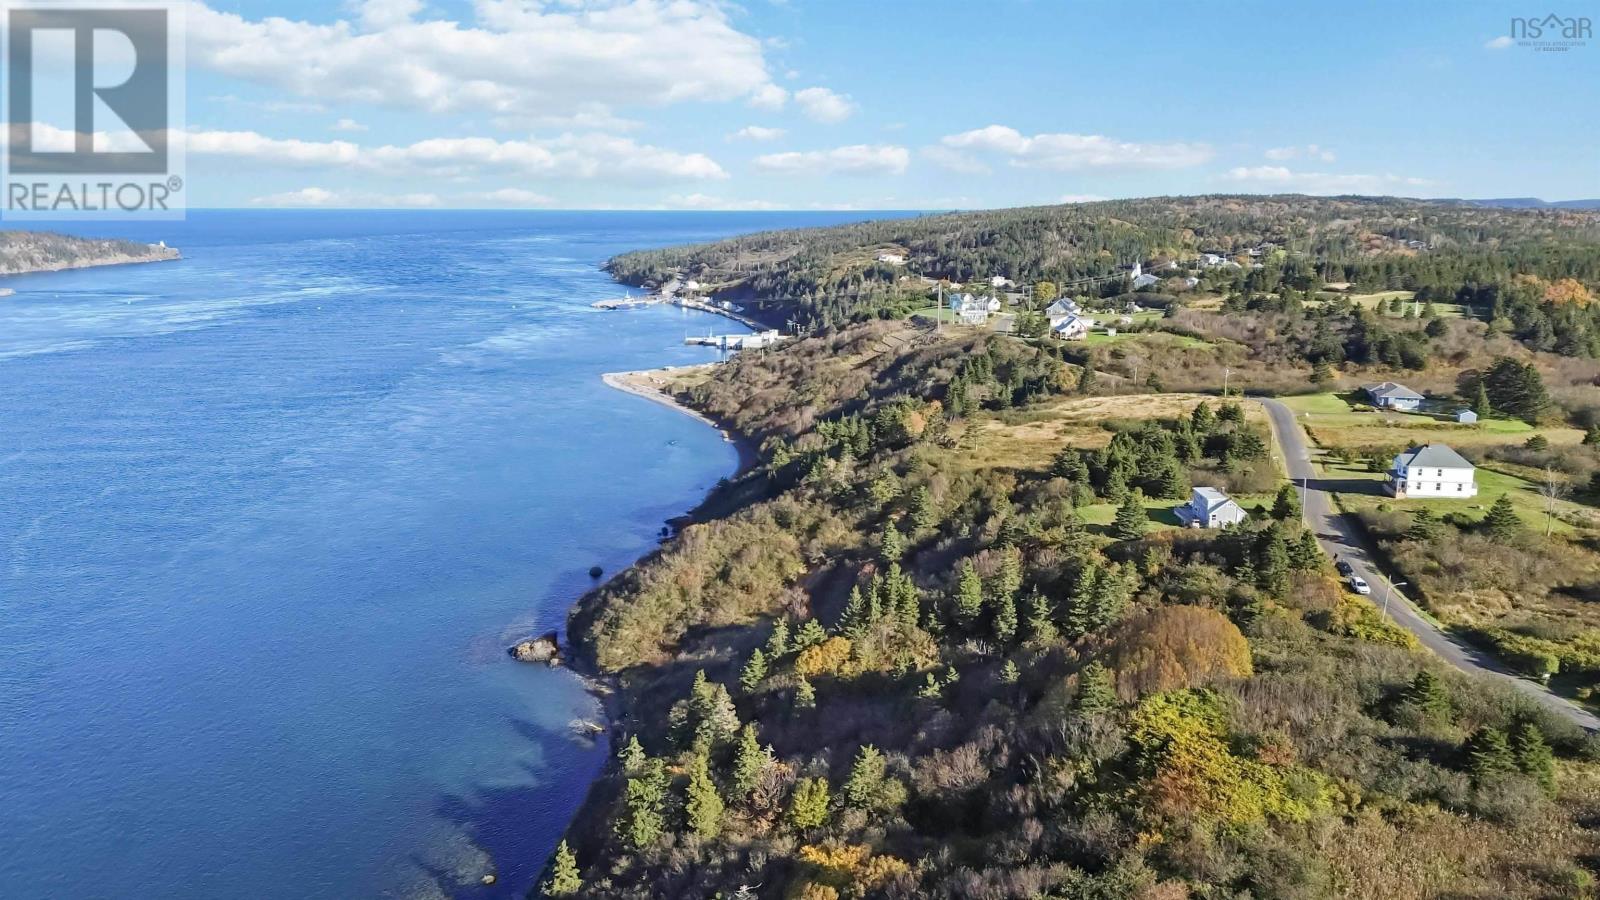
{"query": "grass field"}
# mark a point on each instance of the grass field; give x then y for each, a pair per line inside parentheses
(1445, 310)
(1365, 491)
(1333, 423)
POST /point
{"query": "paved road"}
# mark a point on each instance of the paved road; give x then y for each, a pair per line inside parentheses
(1341, 537)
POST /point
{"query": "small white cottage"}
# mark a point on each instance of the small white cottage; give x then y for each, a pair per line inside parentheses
(1210, 508)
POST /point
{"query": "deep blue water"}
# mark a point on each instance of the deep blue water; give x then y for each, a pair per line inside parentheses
(269, 517)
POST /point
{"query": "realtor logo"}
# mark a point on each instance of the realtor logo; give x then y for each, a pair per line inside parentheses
(1551, 33)
(91, 100)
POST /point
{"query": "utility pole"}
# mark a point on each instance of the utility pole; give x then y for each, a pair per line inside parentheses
(1225, 373)
(1388, 591)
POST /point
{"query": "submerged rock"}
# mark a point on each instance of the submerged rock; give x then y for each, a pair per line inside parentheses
(544, 649)
(596, 572)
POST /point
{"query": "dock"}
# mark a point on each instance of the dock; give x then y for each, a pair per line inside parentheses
(759, 340)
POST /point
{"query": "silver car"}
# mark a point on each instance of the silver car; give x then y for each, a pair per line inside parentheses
(1359, 585)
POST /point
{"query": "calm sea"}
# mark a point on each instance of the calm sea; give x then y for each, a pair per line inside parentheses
(269, 517)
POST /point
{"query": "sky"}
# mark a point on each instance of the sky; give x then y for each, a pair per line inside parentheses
(832, 104)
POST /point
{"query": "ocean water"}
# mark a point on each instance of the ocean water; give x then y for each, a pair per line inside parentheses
(269, 517)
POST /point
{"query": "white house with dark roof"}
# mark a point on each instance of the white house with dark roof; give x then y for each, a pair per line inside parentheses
(1432, 470)
(1389, 395)
(1073, 328)
(974, 310)
(1210, 508)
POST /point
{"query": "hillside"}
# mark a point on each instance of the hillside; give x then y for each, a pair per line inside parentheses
(950, 643)
(829, 276)
(42, 251)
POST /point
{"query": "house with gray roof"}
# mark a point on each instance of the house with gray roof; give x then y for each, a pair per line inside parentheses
(1210, 508)
(1389, 395)
(1432, 470)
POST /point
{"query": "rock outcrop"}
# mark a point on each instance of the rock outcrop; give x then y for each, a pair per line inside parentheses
(545, 649)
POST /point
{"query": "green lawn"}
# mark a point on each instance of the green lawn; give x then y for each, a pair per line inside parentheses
(1445, 310)
(1524, 495)
(1334, 423)
(1159, 511)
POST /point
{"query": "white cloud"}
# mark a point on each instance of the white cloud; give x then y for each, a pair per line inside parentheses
(857, 159)
(1499, 43)
(954, 160)
(1077, 151)
(516, 58)
(324, 198)
(350, 125)
(823, 105)
(1309, 151)
(569, 156)
(769, 96)
(705, 201)
(757, 133)
(1281, 178)
(1081, 198)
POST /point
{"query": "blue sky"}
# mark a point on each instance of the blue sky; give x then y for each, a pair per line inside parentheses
(804, 104)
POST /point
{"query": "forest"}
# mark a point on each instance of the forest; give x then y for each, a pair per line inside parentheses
(921, 651)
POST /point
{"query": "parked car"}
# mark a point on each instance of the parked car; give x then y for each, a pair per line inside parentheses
(1359, 585)
(1344, 568)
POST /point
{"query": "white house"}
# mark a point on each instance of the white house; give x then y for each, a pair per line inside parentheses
(1072, 328)
(1210, 508)
(1432, 470)
(1000, 281)
(1388, 395)
(893, 259)
(1141, 280)
(974, 310)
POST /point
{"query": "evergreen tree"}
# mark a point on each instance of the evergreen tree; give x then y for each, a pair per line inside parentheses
(564, 879)
(867, 774)
(1424, 527)
(1489, 755)
(1040, 620)
(644, 796)
(1286, 506)
(1009, 673)
(1306, 554)
(750, 761)
(969, 595)
(1203, 419)
(805, 696)
(632, 756)
(931, 688)
(1005, 619)
(1129, 524)
(778, 641)
(891, 546)
(811, 634)
(1480, 401)
(1429, 696)
(924, 516)
(1534, 757)
(754, 671)
(1008, 580)
(1502, 521)
(1321, 372)
(808, 805)
(1069, 464)
(1591, 438)
(702, 804)
(1086, 379)
(1272, 562)
(855, 618)
(1116, 485)
(1096, 692)
(1174, 481)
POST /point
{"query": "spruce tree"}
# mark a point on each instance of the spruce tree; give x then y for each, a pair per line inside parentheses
(1501, 521)
(969, 595)
(1174, 481)
(1286, 506)
(1203, 419)
(811, 634)
(924, 516)
(1306, 554)
(702, 804)
(931, 688)
(1009, 673)
(865, 783)
(749, 762)
(1005, 619)
(1489, 755)
(1428, 695)
(1480, 401)
(1424, 527)
(1040, 620)
(1534, 757)
(892, 545)
(632, 756)
(1069, 464)
(644, 797)
(808, 805)
(1129, 524)
(754, 671)
(1591, 438)
(564, 879)
(778, 641)
(805, 696)
(1096, 693)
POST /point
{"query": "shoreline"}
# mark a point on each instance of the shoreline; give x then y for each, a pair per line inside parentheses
(651, 385)
(174, 256)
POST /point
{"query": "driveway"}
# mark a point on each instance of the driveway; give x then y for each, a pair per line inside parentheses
(1341, 537)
